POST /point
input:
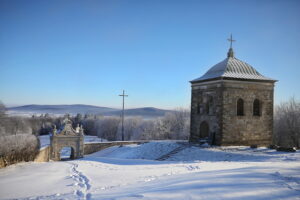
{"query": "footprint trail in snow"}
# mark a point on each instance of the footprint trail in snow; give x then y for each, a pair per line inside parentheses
(81, 183)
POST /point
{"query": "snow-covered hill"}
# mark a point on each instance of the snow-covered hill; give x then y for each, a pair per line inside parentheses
(131, 172)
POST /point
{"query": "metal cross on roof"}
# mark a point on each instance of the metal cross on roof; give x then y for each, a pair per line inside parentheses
(231, 40)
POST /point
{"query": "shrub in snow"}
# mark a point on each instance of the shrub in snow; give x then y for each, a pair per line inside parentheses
(18, 148)
(17, 142)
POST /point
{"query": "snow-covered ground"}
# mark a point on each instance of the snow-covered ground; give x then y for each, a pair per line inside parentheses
(131, 172)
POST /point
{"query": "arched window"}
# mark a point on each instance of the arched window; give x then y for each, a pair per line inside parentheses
(240, 107)
(209, 105)
(198, 108)
(207, 108)
(204, 130)
(256, 107)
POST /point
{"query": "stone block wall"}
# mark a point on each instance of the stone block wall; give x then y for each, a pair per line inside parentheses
(94, 147)
(43, 155)
(247, 129)
(2, 162)
(202, 110)
(59, 142)
(230, 129)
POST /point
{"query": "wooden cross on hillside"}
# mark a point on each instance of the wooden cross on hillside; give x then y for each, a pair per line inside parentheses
(123, 95)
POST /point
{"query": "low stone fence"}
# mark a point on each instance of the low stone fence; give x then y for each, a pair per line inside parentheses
(43, 155)
(94, 147)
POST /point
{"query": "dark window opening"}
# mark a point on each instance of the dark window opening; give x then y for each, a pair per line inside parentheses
(209, 105)
(256, 107)
(198, 108)
(207, 108)
(240, 107)
(204, 130)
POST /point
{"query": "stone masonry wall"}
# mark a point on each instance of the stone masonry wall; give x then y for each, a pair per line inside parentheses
(201, 94)
(43, 155)
(59, 142)
(94, 147)
(247, 129)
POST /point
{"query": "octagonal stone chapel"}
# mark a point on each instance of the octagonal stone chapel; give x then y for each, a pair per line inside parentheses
(232, 104)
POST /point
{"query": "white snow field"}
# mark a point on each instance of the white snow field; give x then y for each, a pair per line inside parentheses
(131, 172)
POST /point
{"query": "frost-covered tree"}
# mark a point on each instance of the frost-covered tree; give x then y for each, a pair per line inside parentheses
(287, 123)
(78, 119)
(89, 126)
(2, 110)
(17, 148)
(107, 127)
(2, 118)
(133, 128)
(175, 125)
(16, 139)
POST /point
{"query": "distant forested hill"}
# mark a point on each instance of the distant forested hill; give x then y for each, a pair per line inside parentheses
(84, 109)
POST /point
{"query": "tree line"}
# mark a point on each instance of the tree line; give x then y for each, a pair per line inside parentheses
(174, 125)
(18, 134)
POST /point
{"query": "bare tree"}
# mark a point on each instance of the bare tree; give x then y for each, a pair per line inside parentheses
(107, 127)
(176, 124)
(2, 119)
(2, 110)
(17, 148)
(287, 123)
(89, 125)
(132, 128)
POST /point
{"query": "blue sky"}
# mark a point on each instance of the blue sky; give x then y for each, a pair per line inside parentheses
(87, 52)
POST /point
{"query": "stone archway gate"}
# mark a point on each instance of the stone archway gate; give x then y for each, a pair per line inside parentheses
(45, 154)
(67, 137)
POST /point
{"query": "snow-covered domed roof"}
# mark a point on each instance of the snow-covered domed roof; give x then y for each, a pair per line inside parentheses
(232, 68)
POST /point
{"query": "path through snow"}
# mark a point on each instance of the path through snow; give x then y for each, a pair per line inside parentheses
(81, 181)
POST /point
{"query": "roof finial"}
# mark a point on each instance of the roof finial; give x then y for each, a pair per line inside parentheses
(230, 52)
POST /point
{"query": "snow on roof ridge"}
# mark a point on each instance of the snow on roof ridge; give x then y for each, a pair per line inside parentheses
(232, 68)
